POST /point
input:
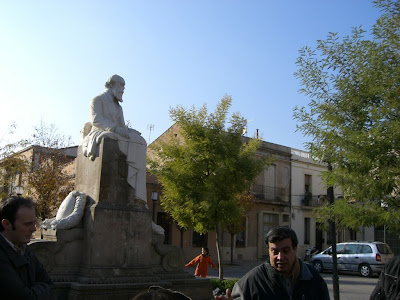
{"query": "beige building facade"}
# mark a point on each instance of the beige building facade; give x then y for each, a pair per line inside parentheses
(308, 192)
(285, 193)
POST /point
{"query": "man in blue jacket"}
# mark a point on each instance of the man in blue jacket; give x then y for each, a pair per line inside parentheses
(285, 276)
(22, 276)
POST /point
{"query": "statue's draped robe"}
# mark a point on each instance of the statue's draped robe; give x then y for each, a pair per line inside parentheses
(106, 115)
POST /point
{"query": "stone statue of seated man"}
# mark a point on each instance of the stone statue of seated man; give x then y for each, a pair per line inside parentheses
(69, 213)
(107, 120)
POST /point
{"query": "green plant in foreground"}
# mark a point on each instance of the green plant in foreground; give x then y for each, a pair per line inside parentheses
(223, 284)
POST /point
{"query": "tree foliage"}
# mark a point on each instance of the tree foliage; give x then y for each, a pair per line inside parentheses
(10, 164)
(41, 172)
(48, 179)
(206, 168)
(353, 117)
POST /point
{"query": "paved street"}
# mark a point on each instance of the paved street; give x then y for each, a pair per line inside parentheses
(351, 287)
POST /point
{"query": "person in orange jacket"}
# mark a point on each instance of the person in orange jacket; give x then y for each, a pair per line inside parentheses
(202, 261)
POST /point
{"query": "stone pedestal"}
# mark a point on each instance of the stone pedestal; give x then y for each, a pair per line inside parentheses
(112, 253)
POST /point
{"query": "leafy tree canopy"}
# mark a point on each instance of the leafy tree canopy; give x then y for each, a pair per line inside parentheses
(42, 174)
(206, 168)
(353, 117)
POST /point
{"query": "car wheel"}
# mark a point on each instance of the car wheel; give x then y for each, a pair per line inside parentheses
(365, 270)
(318, 266)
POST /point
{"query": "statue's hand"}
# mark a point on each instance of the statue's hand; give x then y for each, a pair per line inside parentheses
(122, 131)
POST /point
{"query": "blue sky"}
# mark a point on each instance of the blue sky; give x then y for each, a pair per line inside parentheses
(56, 56)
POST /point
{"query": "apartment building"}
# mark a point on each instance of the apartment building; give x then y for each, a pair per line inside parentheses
(285, 193)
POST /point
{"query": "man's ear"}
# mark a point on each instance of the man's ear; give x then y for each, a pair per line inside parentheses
(6, 224)
(295, 248)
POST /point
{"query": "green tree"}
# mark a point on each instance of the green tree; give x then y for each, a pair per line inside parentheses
(353, 118)
(206, 168)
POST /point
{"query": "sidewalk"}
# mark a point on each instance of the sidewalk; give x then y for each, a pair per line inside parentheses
(236, 270)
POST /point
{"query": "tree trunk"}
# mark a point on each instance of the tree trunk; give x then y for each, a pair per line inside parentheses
(332, 227)
(335, 276)
(218, 243)
(232, 236)
(182, 231)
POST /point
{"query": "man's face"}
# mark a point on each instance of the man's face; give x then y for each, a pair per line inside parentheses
(282, 256)
(24, 226)
(118, 89)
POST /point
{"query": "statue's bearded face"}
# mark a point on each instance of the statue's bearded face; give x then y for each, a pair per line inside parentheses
(118, 89)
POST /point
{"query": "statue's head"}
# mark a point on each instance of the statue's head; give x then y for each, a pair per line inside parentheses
(116, 84)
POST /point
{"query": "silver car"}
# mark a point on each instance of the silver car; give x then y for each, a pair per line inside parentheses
(365, 258)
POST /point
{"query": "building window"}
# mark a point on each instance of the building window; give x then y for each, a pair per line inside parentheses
(285, 176)
(199, 240)
(353, 234)
(270, 183)
(328, 237)
(285, 218)
(307, 190)
(241, 236)
(306, 230)
(307, 183)
(392, 239)
(270, 221)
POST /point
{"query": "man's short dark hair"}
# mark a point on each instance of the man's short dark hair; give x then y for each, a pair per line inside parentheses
(160, 293)
(280, 233)
(10, 206)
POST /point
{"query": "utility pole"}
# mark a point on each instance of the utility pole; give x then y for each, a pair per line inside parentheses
(332, 227)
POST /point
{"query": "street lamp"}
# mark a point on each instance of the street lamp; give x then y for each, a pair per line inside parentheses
(154, 197)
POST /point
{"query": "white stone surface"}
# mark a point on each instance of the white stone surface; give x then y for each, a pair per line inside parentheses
(69, 213)
(107, 120)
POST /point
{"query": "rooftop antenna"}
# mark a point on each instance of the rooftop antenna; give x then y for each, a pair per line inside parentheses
(150, 127)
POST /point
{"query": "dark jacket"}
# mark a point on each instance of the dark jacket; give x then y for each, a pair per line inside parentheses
(22, 276)
(388, 286)
(264, 282)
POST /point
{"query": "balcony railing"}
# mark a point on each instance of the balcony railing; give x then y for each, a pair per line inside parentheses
(313, 201)
(270, 194)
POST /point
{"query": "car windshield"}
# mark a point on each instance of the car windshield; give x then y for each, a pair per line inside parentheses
(383, 249)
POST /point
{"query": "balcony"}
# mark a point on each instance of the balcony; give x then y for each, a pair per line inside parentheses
(270, 194)
(313, 201)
